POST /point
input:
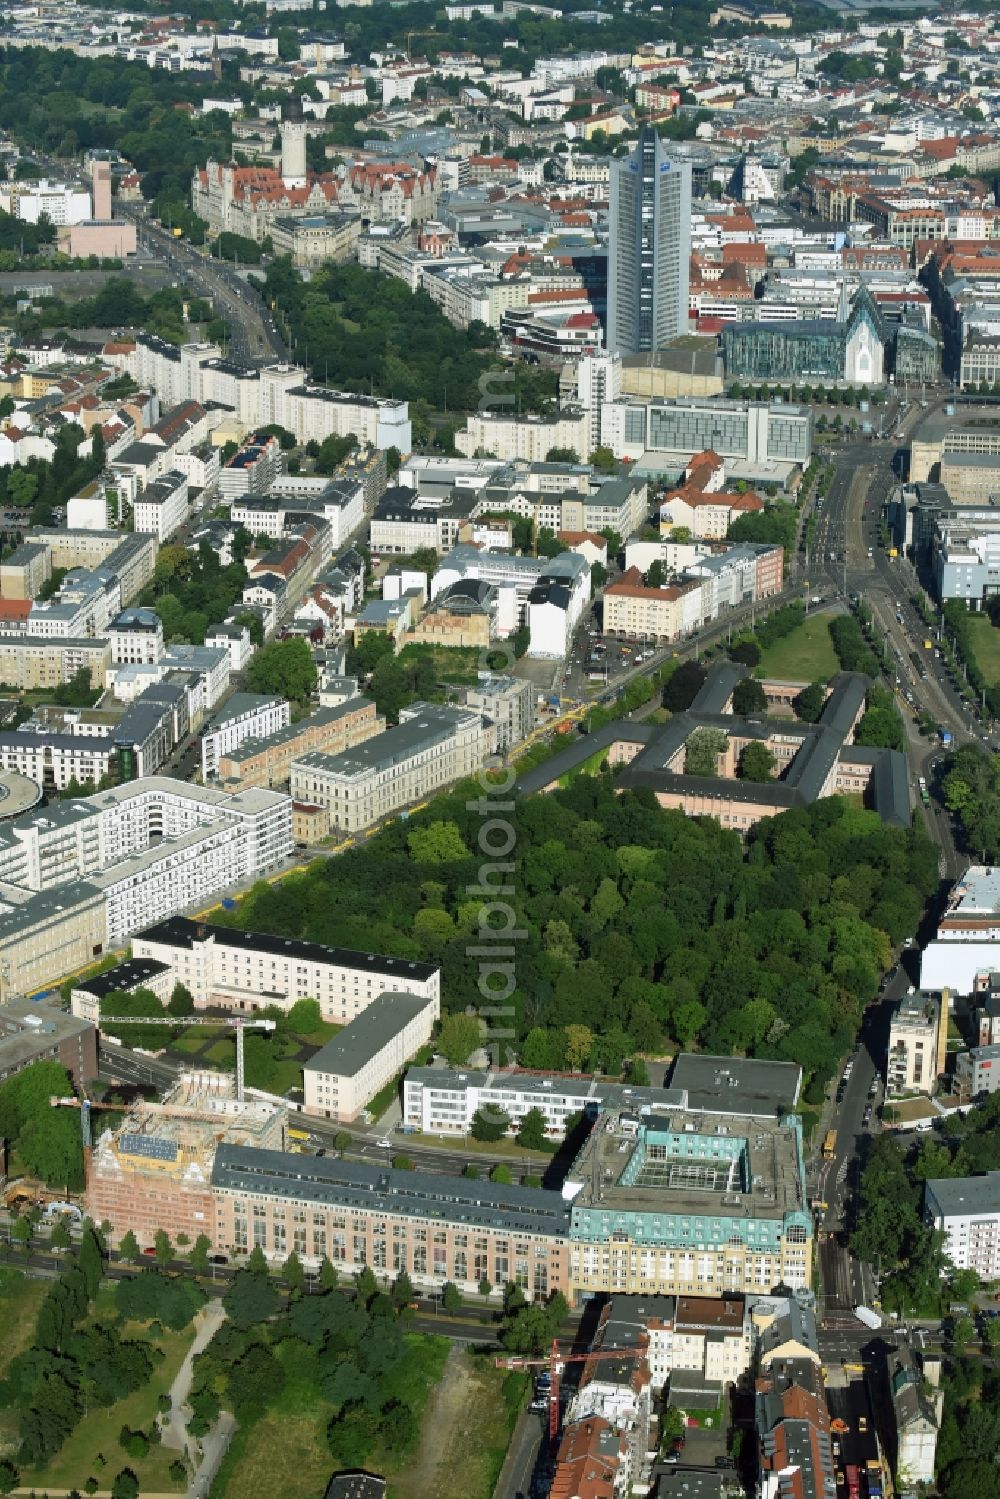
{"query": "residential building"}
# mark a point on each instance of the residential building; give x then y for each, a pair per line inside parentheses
(135, 636)
(917, 1407)
(246, 715)
(24, 570)
(31, 661)
(162, 506)
(792, 1422)
(442, 1100)
(346, 1074)
(914, 1036)
(246, 971)
(82, 874)
(268, 761)
(966, 1209)
(531, 438)
(650, 247)
(431, 747)
(32, 1032)
(508, 705)
(978, 1071)
(968, 933)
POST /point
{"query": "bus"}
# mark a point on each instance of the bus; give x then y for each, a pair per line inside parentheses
(298, 1134)
(830, 1145)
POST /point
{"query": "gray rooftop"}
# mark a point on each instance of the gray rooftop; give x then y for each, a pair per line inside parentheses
(428, 725)
(356, 1045)
(750, 1077)
(330, 1182)
(961, 1196)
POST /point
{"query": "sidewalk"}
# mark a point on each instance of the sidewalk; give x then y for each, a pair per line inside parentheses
(174, 1427)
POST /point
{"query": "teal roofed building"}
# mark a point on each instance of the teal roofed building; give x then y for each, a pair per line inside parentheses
(849, 348)
(687, 1203)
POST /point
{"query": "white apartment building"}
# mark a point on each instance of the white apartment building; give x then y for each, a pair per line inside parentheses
(508, 436)
(84, 606)
(430, 747)
(235, 640)
(341, 503)
(60, 202)
(967, 940)
(967, 1210)
(57, 759)
(347, 1073)
(914, 1036)
(162, 506)
(246, 715)
(239, 970)
(260, 397)
(148, 848)
(548, 594)
(136, 637)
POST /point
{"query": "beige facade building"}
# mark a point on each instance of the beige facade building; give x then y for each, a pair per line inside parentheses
(330, 731)
(672, 372)
(530, 438)
(25, 570)
(247, 971)
(46, 934)
(633, 610)
(914, 1038)
(347, 1073)
(317, 238)
(431, 746)
(30, 661)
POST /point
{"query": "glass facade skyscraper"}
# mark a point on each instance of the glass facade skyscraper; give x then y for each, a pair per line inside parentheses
(650, 248)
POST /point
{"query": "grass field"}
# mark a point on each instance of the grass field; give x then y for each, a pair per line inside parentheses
(986, 645)
(807, 655)
(20, 1299)
(286, 1451)
(98, 1433)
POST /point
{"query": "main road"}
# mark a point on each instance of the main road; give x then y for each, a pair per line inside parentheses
(254, 337)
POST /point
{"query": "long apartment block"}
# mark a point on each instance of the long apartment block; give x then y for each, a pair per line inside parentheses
(222, 966)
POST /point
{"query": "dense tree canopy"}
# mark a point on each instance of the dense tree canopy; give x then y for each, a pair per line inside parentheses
(639, 921)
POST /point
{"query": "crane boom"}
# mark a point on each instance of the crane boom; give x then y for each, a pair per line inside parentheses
(238, 1023)
(555, 1359)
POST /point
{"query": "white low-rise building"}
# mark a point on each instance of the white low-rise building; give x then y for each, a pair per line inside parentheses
(347, 1073)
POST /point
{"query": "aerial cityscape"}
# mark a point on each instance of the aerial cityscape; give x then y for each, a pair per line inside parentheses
(499, 732)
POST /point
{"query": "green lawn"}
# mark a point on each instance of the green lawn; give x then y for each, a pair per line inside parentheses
(189, 1043)
(222, 1052)
(986, 645)
(20, 1299)
(98, 1432)
(806, 655)
(323, 1032)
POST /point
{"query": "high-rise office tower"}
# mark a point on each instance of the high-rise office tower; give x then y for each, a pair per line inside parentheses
(650, 248)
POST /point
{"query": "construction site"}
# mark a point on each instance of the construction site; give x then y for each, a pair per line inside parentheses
(154, 1170)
